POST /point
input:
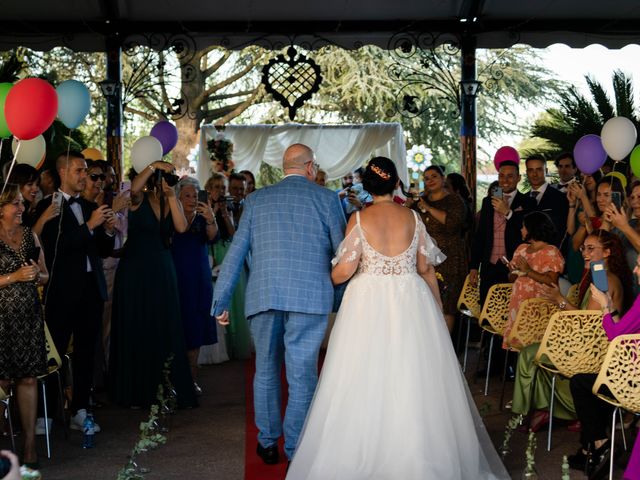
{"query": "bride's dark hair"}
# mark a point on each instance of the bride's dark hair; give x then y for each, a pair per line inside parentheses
(380, 177)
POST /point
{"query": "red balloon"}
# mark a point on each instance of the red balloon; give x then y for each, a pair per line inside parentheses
(30, 108)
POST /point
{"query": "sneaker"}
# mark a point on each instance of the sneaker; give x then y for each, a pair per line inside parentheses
(40, 428)
(77, 421)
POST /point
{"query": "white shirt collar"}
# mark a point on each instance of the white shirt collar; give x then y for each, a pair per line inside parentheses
(541, 189)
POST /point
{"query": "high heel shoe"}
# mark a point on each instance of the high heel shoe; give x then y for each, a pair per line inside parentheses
(539, 420)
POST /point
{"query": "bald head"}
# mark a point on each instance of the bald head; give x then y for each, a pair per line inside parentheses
(296, 156)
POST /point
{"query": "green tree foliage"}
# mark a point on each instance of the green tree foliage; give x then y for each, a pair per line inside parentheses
(577, 115)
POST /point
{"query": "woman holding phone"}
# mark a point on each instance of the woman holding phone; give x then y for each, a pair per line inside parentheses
(22, 344)
(189, 250)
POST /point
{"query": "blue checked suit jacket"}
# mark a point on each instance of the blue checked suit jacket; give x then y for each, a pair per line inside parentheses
(291, 231)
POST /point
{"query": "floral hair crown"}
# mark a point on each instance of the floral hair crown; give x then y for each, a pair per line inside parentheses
(381, 173)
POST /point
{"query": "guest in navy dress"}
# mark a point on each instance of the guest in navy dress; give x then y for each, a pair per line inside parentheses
(189, 251)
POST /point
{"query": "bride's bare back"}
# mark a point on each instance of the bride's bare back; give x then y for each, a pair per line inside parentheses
(387, 226)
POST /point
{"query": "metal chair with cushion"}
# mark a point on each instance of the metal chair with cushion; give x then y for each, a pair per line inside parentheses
(620, 374)
(469, 306)
(574, 342)
(493, 318)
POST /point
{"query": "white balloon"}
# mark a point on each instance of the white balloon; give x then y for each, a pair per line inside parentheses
(144, 152)
(31, 152)
(618, 137)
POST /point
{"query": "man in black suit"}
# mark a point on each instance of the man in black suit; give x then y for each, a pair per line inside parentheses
(74, 297)
(567, 171)
(498, 234)
(548, 200)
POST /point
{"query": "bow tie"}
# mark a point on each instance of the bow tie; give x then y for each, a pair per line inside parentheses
(72, 200)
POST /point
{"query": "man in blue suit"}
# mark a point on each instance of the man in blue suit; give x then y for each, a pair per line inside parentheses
(291, 230)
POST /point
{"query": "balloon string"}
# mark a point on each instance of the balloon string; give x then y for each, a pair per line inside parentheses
(68, 148)
(13, 162)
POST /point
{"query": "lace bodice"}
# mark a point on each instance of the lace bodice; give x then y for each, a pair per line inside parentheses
(356, 248)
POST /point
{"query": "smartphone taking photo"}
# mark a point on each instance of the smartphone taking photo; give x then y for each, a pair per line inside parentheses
(203, 196)
(497, 192)
(56, 199)
(599, 276)
(616, 199)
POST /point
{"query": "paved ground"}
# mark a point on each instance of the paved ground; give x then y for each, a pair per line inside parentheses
(208, 442)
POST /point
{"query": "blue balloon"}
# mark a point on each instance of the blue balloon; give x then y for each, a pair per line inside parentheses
(74, 103)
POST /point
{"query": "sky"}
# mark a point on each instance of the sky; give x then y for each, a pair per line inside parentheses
(571, 65)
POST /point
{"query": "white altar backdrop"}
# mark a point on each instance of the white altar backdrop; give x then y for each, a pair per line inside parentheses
(339, 148)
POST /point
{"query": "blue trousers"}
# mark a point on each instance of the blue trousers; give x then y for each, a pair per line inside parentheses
(296, 339)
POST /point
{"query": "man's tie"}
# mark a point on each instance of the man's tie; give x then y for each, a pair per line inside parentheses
(534, 194)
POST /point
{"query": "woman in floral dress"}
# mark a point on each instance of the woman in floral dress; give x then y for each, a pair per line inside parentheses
(535, 263)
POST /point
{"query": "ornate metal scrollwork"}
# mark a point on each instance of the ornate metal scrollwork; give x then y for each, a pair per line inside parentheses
(423, 67)
(151, 75)
(291, 81)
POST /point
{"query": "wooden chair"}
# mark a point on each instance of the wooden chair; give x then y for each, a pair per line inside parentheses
(54, 364)
(574, 342)
(620, 373)
(469, 307)
(493, 318)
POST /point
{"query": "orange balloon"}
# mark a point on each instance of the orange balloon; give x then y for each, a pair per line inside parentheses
(93, 154)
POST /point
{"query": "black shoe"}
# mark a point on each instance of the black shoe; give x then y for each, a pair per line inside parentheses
(269, 455)
(599, 462)
(578, 461)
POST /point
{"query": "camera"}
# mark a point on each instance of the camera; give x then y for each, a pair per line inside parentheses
(170, 178)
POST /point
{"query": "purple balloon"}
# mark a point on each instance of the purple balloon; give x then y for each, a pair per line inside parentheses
(589, 154)
(167, 134)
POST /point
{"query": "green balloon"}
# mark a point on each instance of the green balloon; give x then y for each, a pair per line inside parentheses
(4, 91)
(635, 161)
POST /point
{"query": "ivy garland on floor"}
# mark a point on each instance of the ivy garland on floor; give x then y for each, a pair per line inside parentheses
(151, 431)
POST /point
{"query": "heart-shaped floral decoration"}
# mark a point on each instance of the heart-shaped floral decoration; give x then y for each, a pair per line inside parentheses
(291, 81)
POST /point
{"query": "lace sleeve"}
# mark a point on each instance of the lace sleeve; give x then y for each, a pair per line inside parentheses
(350, 248)
(427, 247)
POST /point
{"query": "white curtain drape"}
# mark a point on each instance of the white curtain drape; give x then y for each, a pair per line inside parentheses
(339, 148)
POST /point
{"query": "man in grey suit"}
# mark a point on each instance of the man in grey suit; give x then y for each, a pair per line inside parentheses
(291, 231)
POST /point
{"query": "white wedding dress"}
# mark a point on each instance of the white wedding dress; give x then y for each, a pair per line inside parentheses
(391, 402)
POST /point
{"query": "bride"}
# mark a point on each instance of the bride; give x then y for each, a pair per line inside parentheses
(391, 402)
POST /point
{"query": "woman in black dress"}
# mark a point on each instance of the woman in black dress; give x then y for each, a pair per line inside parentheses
(22, 344)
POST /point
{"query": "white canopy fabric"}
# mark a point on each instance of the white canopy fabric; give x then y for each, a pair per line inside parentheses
(339, 149)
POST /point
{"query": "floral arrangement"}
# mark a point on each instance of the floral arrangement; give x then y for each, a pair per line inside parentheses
(512, 424)
(565, 468)
(220, 150)
(530, 469)
(151, 431)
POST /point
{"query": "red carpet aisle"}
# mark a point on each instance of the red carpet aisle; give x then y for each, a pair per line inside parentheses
(254, 467)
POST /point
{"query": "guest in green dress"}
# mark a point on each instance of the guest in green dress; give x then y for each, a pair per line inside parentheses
(146, 323)
(600, 245)
(238, 336)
